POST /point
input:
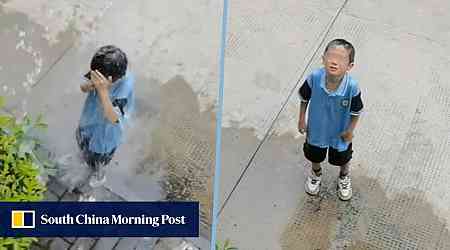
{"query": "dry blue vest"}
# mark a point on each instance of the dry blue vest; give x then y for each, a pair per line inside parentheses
(329, 112)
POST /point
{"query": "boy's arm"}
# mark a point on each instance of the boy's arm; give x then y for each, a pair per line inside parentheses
(355, 111)
(353, 122)
(305, 96)
(102, 85)
(108, 108)
(302, 117)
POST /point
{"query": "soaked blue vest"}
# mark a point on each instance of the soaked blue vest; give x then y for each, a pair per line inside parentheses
(103, 135)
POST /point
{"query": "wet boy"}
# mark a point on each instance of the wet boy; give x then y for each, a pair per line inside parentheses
(109, 101)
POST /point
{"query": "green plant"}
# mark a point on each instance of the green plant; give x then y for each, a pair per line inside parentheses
(16, 243)
(226, 246)
(23, 166)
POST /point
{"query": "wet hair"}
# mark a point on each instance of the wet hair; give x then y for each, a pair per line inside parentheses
(344, 43)
(110, 61)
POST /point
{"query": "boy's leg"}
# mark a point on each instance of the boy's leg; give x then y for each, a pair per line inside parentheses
(345, 170)
(84, 190)
(317, 168)
(315, 155)
(342, 159)
(85, 156)
(98, 177)
(82, 143)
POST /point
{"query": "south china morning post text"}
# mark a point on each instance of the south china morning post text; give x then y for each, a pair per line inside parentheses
(99, 219)
(114, 219)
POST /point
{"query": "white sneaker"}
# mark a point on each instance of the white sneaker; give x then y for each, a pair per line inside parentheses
(312, 184)
(345, 188)
(86, 198)
(97, 179)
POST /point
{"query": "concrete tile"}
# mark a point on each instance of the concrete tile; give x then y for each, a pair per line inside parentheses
(36, 247)
(175, 244)
(105, 243)
(25, 45)
(50, 196)
(59, 244)
(127, 243)
(45, 241)
(104, 194)
(201, 243)
(424, 19)
(146, 243)
(56, 187)
(69, 196)
(70, 240)
(83, 244)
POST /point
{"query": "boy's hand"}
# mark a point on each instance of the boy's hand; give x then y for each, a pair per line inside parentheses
(86, 87)
(347, 135)
(302, 126)
(100, 82)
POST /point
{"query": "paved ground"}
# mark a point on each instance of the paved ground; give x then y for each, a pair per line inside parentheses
(400, 167)
(173, 50)
(401, 163)
(57, 191)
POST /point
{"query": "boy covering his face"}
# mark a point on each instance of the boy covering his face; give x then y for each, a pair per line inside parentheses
(108, 105)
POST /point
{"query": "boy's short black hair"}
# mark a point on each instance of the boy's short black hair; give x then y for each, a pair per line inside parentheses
(344, 43)
(110, 61)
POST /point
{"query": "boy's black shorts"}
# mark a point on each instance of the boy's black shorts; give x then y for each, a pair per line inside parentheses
(336, 158)
(93, 160)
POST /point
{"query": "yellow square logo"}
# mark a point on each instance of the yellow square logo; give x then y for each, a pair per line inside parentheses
(22, 219)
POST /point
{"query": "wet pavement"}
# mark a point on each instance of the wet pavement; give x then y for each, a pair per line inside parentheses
(172, 50)
(400, 166)
(402, 145)
(58, 191)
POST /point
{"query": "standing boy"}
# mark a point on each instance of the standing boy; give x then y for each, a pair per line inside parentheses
(109, 101)
(334, 104)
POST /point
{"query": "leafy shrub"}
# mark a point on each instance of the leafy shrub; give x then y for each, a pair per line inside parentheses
(24, 166)
(226, 246)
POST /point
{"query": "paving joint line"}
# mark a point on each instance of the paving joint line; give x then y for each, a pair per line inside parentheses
(44, 75)
(95, 244)
(117, 243)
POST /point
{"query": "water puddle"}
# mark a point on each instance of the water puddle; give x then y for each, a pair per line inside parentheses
(183, 145)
